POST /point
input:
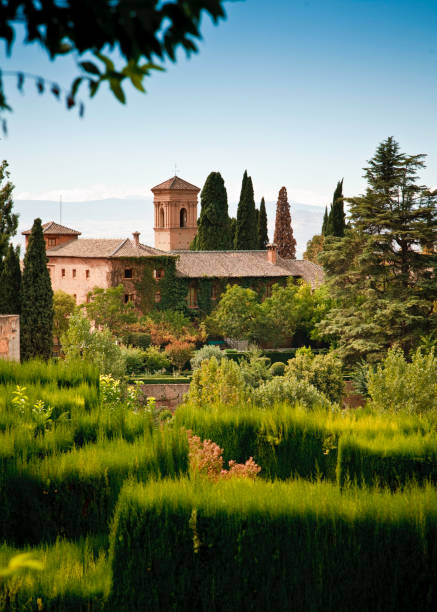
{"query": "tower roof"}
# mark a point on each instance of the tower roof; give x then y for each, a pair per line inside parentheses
(54, 228)
(175, 184)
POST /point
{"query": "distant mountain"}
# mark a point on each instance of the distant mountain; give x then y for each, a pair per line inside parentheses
(118, 218)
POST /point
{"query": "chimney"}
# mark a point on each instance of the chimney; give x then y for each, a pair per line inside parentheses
(136, 236)
(272, 253)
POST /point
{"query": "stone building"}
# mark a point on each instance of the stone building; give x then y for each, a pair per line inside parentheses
(77, 265)
(10, 337)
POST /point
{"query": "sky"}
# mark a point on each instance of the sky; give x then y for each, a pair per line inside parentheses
(298, 92)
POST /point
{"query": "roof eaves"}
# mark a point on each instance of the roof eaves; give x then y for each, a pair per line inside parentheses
(122, 243)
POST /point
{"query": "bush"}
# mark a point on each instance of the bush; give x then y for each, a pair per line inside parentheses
(155, 360)
(290, 390)
(322, 371)
(134, 359)
(206, 352)
(140, 340)
(179, 353)
(214, 382)
(56, 372)
(277, 368)
(389, 462)
(230, 541)
(400, 386)
(255, 369)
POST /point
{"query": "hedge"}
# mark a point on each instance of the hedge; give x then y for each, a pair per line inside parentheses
(74, 494)
(75, 578)
(254, 546)
(383, 461)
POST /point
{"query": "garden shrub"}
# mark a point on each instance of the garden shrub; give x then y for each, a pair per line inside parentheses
(241, 545)
(291, 390)
(179, 353)
(134, 359)
(140, 340)
(390, 462)
(155, 360)
(206, 352)
(277, 368)
(401, 386)
(322, 371)
(255, 369)
(214, 382)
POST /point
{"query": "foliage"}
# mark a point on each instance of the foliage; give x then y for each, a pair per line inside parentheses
(115, 394)
(57, 373)
(397, 385)
(8, 219)
(206, 460)
(263, 237)
(360, 377)
(381, 275)
(106, 307)
(236, 313)
(324, 372)
(97, 347)
(134, 358)
(277, 368)
(336, 224)
(314, 248)
(155, 360)
(138, 339)
(10, 282)
(255, 369)
(292, 390)
(284, 238)
(206, 352)
(150, 31)
(64, 305)
(246, 230)
(165, 326)
(36, 323)
(217, 382)
(179, 353)
(214, 231)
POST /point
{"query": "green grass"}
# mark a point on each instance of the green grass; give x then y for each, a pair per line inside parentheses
(63, 374)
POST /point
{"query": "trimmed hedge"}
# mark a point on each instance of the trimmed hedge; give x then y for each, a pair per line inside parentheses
(74, 494)
(75, 578)
(247, 546)
(383, 461)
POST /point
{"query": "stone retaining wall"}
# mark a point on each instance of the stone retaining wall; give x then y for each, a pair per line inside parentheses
(167, 395)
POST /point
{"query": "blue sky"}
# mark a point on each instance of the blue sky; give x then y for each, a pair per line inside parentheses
(299, 92)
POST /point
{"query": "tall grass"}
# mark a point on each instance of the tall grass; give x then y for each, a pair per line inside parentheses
(75, 577)
(242, 546)
(71, 374)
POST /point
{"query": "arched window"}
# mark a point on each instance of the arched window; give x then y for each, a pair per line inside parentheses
(183, 218)
(161, 218)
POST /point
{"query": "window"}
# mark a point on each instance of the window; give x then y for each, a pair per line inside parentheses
(158, 274)
(51, 271)
(51, 242)
(214, 291)
(74, 273)
(268, 291)
(183, 218)
(192, 297)
(63, 272)
(161, 217)
(128, 273)
(87, 273)
(129, 297)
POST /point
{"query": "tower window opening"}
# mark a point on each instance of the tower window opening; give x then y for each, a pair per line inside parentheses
(161, 218)
(183, 218)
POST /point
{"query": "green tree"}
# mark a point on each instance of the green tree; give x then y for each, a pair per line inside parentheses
(314, 248)
(335, 223)
(36, 299)
(263, 237)
(237, 312)
(8, 220)
(10, 282)
(63, 307)
(325, 221)
(106, 307)
(140, 31)
(246, 233)
(214, 227)
(284, 238)
(382, 280)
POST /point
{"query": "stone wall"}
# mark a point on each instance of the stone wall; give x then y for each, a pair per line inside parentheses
(10, 337)
(167, 396)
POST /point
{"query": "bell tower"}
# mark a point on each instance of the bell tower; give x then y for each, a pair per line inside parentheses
(175, 203)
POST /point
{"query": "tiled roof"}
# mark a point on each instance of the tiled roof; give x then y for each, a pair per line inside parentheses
(237, 264)
(54, 228)
(175, 183)
(102, 247)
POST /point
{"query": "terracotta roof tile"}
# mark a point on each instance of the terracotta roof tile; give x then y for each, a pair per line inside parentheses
(54, 228)
(103, 247)
(175, 183)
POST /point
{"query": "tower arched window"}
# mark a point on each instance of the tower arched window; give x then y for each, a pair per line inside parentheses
(161, 217)
(183, 218)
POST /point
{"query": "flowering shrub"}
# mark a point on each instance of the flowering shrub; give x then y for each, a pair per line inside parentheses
(179, 353)
(206, 459)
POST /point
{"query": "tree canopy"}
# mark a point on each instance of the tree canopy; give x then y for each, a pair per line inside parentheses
(284, 238)
(263, 237)
(246, 232)
(214, 226)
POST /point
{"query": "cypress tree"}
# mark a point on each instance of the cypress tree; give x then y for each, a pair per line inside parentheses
(36, 299)
(284, 238)
(10, 282)
(336, 221)
(8, 220)
(214, 227)
(325, 221)
(246, 233)
(263, 237)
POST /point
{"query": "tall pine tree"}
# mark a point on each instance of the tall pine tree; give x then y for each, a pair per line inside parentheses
(335, 224)
(284, 238)
(263, 237)
(36, 299)
(214, 226)
(383, 282)
(246, 233)
(10, 282)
